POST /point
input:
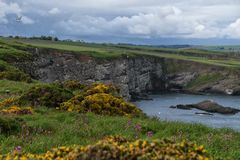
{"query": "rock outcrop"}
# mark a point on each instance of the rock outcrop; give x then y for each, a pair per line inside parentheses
(194, 77)
(208, 106)
(179, 81)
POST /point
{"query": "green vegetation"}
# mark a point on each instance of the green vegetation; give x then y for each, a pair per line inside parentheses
(50, 128)
(12, 51)
(45, 95)
(15, 75)
(226, 48)
(204, 79)
(47, 128)
(12, 88)
(114, 51)
(9, 125)
(9, 54)
(117, 147)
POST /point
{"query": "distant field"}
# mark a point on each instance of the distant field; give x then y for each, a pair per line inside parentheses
(227, 49)
(200, 55)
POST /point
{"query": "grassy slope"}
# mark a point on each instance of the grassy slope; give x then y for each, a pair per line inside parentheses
(204, 79)
(15, 88)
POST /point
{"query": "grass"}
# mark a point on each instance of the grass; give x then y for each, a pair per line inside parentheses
(9, 51)
(225, 48)
(205, 79)
(114, 51)
(50, 128)
(14, 88)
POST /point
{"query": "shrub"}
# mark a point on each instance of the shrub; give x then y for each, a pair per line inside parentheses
(120, 149)
(2, 67)
(102, 88)
(15, 75)
(45, 95)
(73, 85)
(9, 125)
(100, 99)
(100, 103)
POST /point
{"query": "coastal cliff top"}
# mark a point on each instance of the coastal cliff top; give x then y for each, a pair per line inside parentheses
(189, 53)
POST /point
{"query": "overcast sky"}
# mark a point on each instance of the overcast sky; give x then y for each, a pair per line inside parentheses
(129, 21)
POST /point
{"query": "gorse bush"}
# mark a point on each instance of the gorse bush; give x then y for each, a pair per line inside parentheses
(45, 95)
(118, 148)
(73, 85)
(100, 103)
(100, 99)
(102, 88)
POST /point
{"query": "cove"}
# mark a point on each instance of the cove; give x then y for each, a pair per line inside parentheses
(160, 104)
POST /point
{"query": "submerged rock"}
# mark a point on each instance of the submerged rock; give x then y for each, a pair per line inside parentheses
(181, 106)
(208, 106)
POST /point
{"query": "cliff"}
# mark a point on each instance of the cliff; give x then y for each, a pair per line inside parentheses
(135, 75)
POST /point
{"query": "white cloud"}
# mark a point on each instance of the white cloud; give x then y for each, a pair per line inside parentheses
(54, 11)
(233, 30)
(168, 21)
(26, 20)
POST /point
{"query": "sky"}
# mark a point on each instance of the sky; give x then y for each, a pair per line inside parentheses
(157, 22)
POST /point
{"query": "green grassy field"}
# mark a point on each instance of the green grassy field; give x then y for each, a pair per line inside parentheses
(226, 48)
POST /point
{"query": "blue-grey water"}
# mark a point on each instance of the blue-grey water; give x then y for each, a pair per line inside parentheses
(160, 104)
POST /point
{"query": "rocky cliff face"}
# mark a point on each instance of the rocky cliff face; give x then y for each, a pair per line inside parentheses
(134, 75)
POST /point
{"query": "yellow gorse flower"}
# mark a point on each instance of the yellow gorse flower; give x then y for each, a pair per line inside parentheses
(7, 102)
(17, 110)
